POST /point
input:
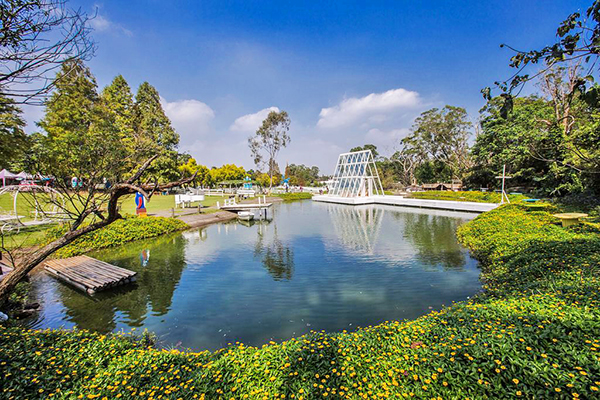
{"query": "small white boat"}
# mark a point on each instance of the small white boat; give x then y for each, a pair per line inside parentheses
(245, 215)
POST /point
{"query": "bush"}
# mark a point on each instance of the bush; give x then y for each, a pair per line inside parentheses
(534, 333)
(295, 196)
(478, 197)
(119, 232)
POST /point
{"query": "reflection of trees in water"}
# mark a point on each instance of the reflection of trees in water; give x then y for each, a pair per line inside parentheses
(357, 227)
(156, 283)
(276, 257)
(435, 239)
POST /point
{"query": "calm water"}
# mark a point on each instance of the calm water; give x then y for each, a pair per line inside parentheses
(315, 266)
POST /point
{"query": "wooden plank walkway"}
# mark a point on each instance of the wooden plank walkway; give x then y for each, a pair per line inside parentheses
(88, 274)
(245, 206)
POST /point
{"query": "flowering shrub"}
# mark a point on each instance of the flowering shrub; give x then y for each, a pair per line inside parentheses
(534, 333)
(119, 232)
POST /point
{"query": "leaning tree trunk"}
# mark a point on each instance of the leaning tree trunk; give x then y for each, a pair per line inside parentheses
(32, 260)
(26, 264)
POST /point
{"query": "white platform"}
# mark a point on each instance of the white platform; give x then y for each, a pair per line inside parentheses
(466, 206)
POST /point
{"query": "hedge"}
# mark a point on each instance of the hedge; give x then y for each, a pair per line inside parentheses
(295, 196)
(534, 333)
(119, 232)
(478, 197)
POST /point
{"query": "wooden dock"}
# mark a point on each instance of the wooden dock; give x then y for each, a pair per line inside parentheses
(245, 206)
(233, 206)
(88, 274)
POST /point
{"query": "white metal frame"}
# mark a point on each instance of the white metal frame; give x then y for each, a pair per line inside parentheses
(356, 176)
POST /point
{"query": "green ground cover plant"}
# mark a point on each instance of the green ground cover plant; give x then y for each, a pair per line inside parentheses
(119, 232)
(294, 196)
(533, 333)
(478, 197)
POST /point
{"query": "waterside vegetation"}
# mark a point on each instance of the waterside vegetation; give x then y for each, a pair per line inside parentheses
(118, 233)
(474, 196)
(534, 332)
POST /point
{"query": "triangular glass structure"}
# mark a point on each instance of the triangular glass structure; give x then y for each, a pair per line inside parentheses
(356, 176)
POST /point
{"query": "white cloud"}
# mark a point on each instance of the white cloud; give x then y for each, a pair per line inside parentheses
(387, 140)
(100, 23)
(392, 135)
(249, 123)
(374, 107)
(190, 118)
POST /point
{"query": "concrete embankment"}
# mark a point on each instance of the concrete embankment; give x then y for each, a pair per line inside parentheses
(409, 202)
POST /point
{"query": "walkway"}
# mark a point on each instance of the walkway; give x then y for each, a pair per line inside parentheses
(467, 206)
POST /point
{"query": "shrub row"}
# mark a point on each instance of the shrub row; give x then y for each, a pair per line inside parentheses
(295, 196)
(478, 197)
(534, 333)
(119, 232)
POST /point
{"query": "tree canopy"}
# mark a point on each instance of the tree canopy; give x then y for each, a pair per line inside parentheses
(37, 37)
(270, 138)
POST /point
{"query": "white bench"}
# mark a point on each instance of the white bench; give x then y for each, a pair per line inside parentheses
(186, 200)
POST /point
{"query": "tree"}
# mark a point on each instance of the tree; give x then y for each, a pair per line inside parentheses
(301, 175)
(442, 136)
(11, 134)
(118, 100)
(406, 162)
(76, 124)
(371, 147)
(36, 38)
(578, 41)
(265, 180)
(524, 142)
(227, 172)
(87, 213)
(154, 133)
(576, 119)
(270, 138)
(191, 168)
(81, 140)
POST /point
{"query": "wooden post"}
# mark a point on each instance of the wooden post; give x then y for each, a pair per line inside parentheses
(172, 213)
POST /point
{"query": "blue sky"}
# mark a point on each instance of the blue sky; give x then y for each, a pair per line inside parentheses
(347, 72)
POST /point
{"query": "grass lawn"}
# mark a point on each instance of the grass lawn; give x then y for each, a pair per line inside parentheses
(163, 203)
(33, 236)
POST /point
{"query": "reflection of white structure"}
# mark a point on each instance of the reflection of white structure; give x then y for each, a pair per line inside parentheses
(357, 228)
(356, 176)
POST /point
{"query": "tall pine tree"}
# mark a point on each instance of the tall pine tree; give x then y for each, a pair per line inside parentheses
(154, 133)
(118, 100)
(13, 138)
(81, 138)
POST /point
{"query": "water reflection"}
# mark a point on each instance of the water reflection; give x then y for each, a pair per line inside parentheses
(434, 237)
(357, 227)
(312, 267)
(277, 258)
(152, 292)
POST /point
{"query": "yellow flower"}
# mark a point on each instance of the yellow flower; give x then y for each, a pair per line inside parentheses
(516, 381)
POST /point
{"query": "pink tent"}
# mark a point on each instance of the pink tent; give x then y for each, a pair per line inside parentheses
(5, 174)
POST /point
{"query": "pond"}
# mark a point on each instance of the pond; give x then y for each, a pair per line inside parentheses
(313, 266)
